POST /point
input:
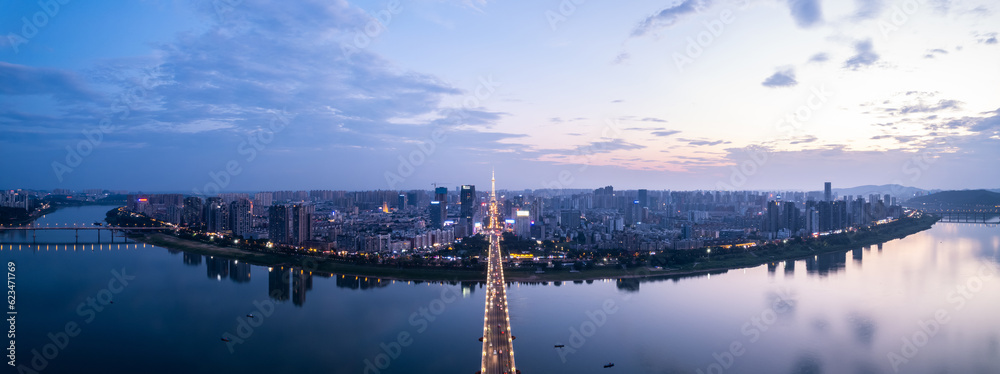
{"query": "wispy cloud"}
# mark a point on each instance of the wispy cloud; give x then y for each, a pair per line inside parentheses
(669, 16)
(819, 57)
(64, 86)
(865, 55)
(987, 38)
(665, 133)
(782, 78)
(931, 53)
(868, 9)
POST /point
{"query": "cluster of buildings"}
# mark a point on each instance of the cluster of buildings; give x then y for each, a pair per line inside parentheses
(16, 199)
(398, 222)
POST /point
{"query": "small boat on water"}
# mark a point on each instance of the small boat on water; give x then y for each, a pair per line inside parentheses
(250, 315)
(227, 339)
(560, 345)
(608, 365)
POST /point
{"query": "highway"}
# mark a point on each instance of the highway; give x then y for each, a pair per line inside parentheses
(498, 343)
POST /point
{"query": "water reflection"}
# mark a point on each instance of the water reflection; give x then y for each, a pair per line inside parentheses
(824, 264)
(826, 315)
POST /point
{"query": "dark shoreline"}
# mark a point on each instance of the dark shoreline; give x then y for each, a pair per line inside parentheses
(319, 263)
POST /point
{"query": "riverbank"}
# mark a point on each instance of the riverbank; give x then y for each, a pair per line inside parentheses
(720, 263)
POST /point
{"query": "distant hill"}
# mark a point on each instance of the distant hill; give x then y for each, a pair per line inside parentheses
(897, 191)
(959, 198)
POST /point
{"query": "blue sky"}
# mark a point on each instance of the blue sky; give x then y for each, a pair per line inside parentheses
(695, 94)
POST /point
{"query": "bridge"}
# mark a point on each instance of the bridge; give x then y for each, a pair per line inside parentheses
(964, 215)
(498, 343)
(77, 228)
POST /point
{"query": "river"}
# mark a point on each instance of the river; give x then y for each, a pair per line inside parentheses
(923, 304)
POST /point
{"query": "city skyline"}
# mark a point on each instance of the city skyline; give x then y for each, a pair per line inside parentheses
(743, 95)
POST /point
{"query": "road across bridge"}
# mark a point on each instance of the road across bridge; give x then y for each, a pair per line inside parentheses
(498, 343)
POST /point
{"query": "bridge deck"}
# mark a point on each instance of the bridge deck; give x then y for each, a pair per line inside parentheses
(498, 344)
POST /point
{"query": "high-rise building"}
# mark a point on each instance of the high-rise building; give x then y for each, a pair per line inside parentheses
(633, 213)
(436, 212)
(827, 192)
(279, 224)
(301, 223)
(790, 217)
(570, 218)
(194, 211)
(216, 215)
(522, 224)
(439, 207)
(772, 218)
(240, 216)
(261, 202)
(812, 220)
(643, 196)
(229, 198)
(467, 197)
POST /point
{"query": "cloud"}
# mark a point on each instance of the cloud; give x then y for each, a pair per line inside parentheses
(806, 13)
(932, 52)
(64, 86)
(651, 119)
(668, 16)
(804, 140)
(819, 57)
(868, 9)
(985, 124)
(622, 57)
(592, 148)
(987, 38)
(665, 133)
(781, 78)
(296, 58)
(704, 142)
(606, 146)
(865, 56)
(924, 108)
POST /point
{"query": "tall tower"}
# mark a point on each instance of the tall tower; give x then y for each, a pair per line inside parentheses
(828, 192)
(494, 210)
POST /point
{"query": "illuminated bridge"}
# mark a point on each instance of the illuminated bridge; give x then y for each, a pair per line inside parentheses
(498, 343)
(77, 228)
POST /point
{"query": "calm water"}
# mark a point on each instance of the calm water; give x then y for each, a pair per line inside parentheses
(928, 303)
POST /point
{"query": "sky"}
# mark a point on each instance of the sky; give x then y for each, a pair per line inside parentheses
(246, 95)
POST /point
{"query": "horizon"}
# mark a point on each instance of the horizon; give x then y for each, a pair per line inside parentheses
(577, 189)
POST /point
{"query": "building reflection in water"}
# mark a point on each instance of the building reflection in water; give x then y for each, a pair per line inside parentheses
(217, 267)
(192, 259)
(628, 284)
(826, 263)
(361, 282)
(278, 283)
(302, 281)
(239, 272)
(293, 283)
